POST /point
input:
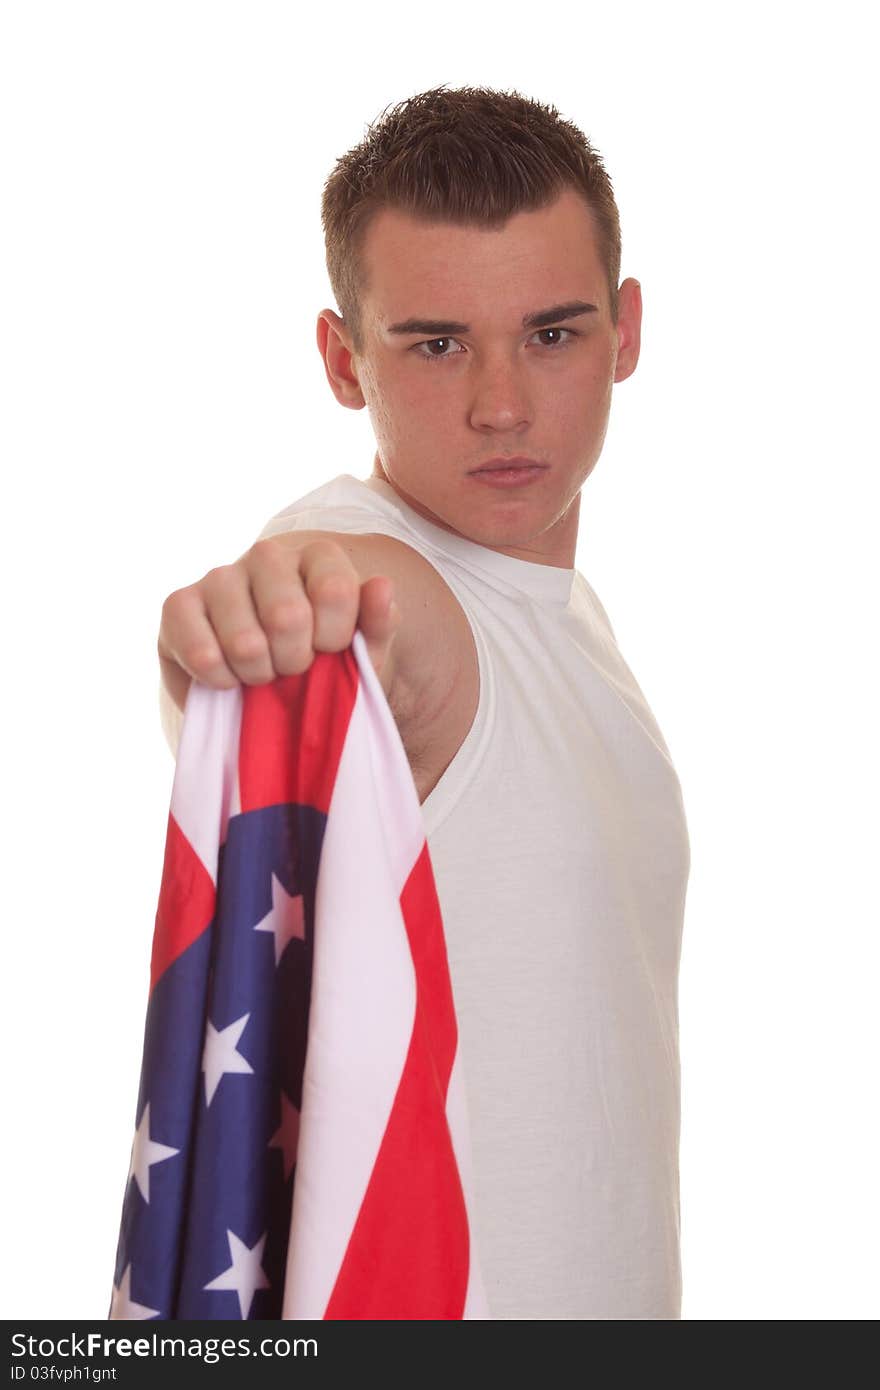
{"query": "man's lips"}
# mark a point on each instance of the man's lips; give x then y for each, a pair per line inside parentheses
(497, 465)
(509, 475)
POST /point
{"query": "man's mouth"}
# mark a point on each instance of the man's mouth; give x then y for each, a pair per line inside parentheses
(508, 465)
(509, 473)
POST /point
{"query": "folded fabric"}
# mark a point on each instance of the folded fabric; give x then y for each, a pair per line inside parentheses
(301, 1146)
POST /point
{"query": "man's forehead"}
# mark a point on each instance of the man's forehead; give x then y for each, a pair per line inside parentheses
(419, 270)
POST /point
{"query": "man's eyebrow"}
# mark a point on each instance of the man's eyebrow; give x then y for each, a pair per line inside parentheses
(542, 318)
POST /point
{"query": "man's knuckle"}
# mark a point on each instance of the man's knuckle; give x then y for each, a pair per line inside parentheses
(325, 555)
(177, 603)
(266, 550)
(248, 644)
(288, 617)
(200, 658)
(221, 579)
(336, 589)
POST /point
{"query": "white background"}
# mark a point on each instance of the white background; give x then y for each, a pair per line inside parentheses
(162, 270)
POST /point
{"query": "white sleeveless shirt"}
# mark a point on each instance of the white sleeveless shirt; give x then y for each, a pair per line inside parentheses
(560, 852)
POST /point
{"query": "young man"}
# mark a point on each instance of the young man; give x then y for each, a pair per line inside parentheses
(473, 246)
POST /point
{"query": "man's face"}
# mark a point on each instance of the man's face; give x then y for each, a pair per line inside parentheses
(455, 376)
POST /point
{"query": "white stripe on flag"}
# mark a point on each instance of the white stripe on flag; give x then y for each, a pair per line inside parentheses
(206, 791)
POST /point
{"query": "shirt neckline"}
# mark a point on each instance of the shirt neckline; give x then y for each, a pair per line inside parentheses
(548, 583)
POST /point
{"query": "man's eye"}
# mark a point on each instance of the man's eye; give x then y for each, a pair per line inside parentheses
(422, 349)
(559, 341)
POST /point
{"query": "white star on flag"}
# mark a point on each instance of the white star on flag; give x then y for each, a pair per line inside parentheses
(285, 918)
(122, 1306)
(286, 1137)
(245, 1274)
(220, 1055)
(145, 1152)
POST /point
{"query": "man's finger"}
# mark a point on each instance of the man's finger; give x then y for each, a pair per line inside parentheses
(379, 619)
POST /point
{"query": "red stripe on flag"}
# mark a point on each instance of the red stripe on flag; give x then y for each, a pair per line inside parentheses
(186, 902)
(292, 733)
(413, 1221)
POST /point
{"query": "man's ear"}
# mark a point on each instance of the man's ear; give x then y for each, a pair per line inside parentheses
(629, 328)
(334, 345)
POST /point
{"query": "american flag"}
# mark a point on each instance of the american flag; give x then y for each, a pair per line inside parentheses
(301, 1146)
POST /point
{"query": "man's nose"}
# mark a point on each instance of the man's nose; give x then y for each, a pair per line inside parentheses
(500, 398)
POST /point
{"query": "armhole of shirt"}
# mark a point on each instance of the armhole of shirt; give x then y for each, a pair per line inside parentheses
(458, 775)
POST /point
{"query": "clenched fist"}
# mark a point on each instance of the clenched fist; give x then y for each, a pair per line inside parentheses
(267, 614)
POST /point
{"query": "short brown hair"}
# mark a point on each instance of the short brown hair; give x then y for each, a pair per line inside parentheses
(469, 155)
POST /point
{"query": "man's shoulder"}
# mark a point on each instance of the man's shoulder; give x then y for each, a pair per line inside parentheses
(434, 625)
